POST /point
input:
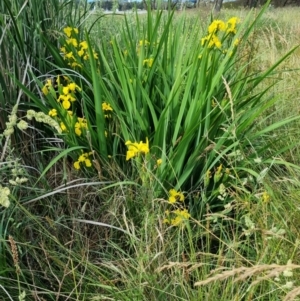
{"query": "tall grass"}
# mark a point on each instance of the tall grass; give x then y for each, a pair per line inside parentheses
(22, 23)
(67, 259)
(111, 230)
(197, 105)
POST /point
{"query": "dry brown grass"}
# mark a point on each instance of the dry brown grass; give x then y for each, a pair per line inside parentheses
(292, 294)
(240, 274)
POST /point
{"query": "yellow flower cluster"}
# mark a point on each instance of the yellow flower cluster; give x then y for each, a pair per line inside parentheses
(48, 85)
(148, 62)
(213, 40)
(84, 159)
(134, 148)
(175, 196)
(80, 125)
(176, 217)
(217, 26)
(68, 31)
(106, 108)
(66, 92)
(142, 44)
(74, 50)
(63, 127)
(68, 95)
(231, 24)
(52, 113)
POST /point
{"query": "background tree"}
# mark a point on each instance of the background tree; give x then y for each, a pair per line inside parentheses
(218, 5)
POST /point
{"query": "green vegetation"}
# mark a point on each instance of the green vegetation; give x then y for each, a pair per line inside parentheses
(148, 157)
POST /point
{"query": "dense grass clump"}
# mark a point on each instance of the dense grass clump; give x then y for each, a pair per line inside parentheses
(153, 160)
